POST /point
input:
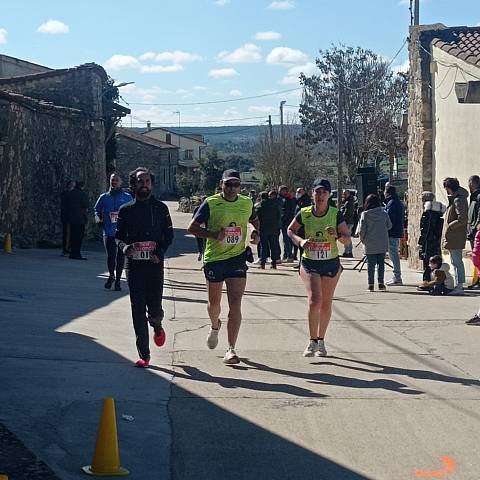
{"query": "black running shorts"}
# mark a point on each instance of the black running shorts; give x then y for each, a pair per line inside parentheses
(234, 267)
(324, 268)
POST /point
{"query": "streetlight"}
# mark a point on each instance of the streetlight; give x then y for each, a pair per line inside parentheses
(120, 85)
(178, 113)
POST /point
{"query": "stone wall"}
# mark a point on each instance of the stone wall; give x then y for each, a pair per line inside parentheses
(162, 162)
(420, 152)
(41, 147)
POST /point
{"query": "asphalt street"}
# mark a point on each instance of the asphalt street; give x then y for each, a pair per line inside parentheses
(396, 398)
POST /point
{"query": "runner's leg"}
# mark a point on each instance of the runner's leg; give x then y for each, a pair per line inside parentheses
(235, 289)
(138, 298)
(328, 285)
(214, 290)
(155, 296)
(313, 284)
(111, 249)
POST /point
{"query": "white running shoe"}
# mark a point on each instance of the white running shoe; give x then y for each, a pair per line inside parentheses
(258, 261)
(212, 338)
(230, 357)
(311, 350)
(322, 351)
(394, 281)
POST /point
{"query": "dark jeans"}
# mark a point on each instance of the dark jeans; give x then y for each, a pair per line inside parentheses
(145, 281)
(77, 232)
(287, 243)
(440, 290)
(200, 245)
(270, 247)
(115, 257)
(66, 238)
(427, 271)
(378, 260)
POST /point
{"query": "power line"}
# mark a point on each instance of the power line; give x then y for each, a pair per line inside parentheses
(220, 101)
(192, 123)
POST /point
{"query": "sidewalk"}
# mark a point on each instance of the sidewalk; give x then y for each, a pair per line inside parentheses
(398, 392)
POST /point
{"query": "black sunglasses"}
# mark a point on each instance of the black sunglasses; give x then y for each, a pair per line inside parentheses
(232, 184)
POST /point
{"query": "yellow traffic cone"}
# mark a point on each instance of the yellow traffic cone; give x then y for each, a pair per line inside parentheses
(7, 244)
(106, 459)
(3, 477)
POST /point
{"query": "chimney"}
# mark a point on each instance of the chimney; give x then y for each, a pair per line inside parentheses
(149, 125)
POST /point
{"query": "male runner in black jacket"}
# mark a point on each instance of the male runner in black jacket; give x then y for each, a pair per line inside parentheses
(144, 232)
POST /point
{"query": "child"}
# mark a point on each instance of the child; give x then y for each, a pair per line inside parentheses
(475, 320)
(442, 282)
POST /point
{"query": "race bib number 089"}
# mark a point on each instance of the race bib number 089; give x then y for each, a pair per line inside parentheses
(319, 250)
(233, 235)
(143, 250)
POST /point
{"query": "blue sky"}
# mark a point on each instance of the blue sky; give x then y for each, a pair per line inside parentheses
(189, 51)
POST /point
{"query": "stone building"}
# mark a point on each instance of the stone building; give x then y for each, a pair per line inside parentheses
(15, 67)
(442, 123)
(137, 150)
(51, 130)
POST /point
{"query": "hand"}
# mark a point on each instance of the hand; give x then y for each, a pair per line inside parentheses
(254, 237)
(332, 232)
(128, 251)
(155, 259)
(220, 235)
(303, 243)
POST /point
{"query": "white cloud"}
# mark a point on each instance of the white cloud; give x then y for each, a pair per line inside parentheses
(177, 57)
(3, 36)
(261, 109)
(199, 88)
(282, 5)
(268, 36)
(286, 56)
(53, 27)
(121, 62)
(248, 53)
(147, 56)
(161, 68)
(222, 3)
(235, 93)
(294, 72)
(223, 73)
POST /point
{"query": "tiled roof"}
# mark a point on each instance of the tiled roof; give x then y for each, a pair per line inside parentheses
(460, 42)
(191, 136)
(153, 142)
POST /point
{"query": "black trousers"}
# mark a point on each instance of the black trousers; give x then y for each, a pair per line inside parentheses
(145, 281)
(427, 271)
(77, 232)
(270, 247)
(66, 238)
(115, 257)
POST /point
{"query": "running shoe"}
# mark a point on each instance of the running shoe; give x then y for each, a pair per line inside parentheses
(159, 337)
(311, 350)
(322, 351)
(382, 287)
(212, 338)
(230, 357)
(395, 281)
(475, 320)
(109, 283)
(118, 287)
(371, 288)
(143, 362)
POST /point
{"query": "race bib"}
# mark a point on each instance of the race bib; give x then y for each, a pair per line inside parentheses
(113, 217)
(233, 235)
(143, 250)
(319, 250)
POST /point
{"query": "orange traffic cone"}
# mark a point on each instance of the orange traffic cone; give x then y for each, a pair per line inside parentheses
(106, 459)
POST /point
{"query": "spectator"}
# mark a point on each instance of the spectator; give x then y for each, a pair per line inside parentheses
(431, 227)
(442, 282)
(474, 219)
(373, 229)
(396, 211)
(64, 217)
(270, 222)
(253, 196)
(348, 210)
(475, 320)
(288, 213)
(77, 218)
(455, 228)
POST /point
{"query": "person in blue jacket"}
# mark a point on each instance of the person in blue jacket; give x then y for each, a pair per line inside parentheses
(106, 213)
(396, 211)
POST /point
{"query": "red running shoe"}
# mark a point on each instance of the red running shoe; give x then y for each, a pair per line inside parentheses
(160, 337)
(143, 362)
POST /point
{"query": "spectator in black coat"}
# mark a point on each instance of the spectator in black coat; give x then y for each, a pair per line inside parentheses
(288, 213)
(269, 217)
(77, 201)
(348, 210)
(396, 211)
(431, 227)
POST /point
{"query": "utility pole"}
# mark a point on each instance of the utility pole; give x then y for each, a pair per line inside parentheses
(416, 11)
(270, 128)
(340, 106)
(282, 132)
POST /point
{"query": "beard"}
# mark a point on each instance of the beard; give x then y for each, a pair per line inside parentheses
(143, 193)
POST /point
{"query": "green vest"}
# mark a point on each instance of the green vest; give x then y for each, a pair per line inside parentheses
(234, 217)
(323, 245)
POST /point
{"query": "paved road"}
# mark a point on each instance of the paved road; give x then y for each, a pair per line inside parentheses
(396, 399)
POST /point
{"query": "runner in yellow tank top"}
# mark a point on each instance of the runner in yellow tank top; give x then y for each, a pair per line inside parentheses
(320, 265)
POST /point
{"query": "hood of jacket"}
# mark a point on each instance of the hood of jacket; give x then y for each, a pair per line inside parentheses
(435, 206)
(375, 212)
(461, 192)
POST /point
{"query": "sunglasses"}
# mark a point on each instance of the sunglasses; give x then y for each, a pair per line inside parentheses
(232, 184)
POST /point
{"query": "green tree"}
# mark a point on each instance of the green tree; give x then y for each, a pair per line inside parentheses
(211, 168)
(239, 162)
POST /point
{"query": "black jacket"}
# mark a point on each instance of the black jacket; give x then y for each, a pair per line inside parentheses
(396, 212)
(302, 202)
(76, 203)
(431, 227)
(288, 210)
(348, 210)
(473, 214)
(269, 217)
(141, 221)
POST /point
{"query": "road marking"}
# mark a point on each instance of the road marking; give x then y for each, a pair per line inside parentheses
(449, 463)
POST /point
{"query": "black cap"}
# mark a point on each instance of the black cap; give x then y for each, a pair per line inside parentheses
(230, 174)
(322, 182)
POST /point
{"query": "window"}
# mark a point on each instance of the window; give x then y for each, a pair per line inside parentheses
(188, 155)
(169, 138)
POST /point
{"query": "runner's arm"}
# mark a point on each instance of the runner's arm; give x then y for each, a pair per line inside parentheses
(121, 234)
(292, 232)
(200, 218)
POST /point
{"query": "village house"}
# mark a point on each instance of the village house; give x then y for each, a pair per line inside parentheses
(444, 114)
(137, 150)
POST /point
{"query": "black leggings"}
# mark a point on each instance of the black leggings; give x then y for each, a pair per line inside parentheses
(145, 281)
(115, 257)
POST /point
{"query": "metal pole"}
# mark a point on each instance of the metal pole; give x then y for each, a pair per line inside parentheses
(270, 128)
(416, 14)
(340, 141)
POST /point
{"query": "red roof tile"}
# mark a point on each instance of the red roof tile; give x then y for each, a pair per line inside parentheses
(461, 42)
